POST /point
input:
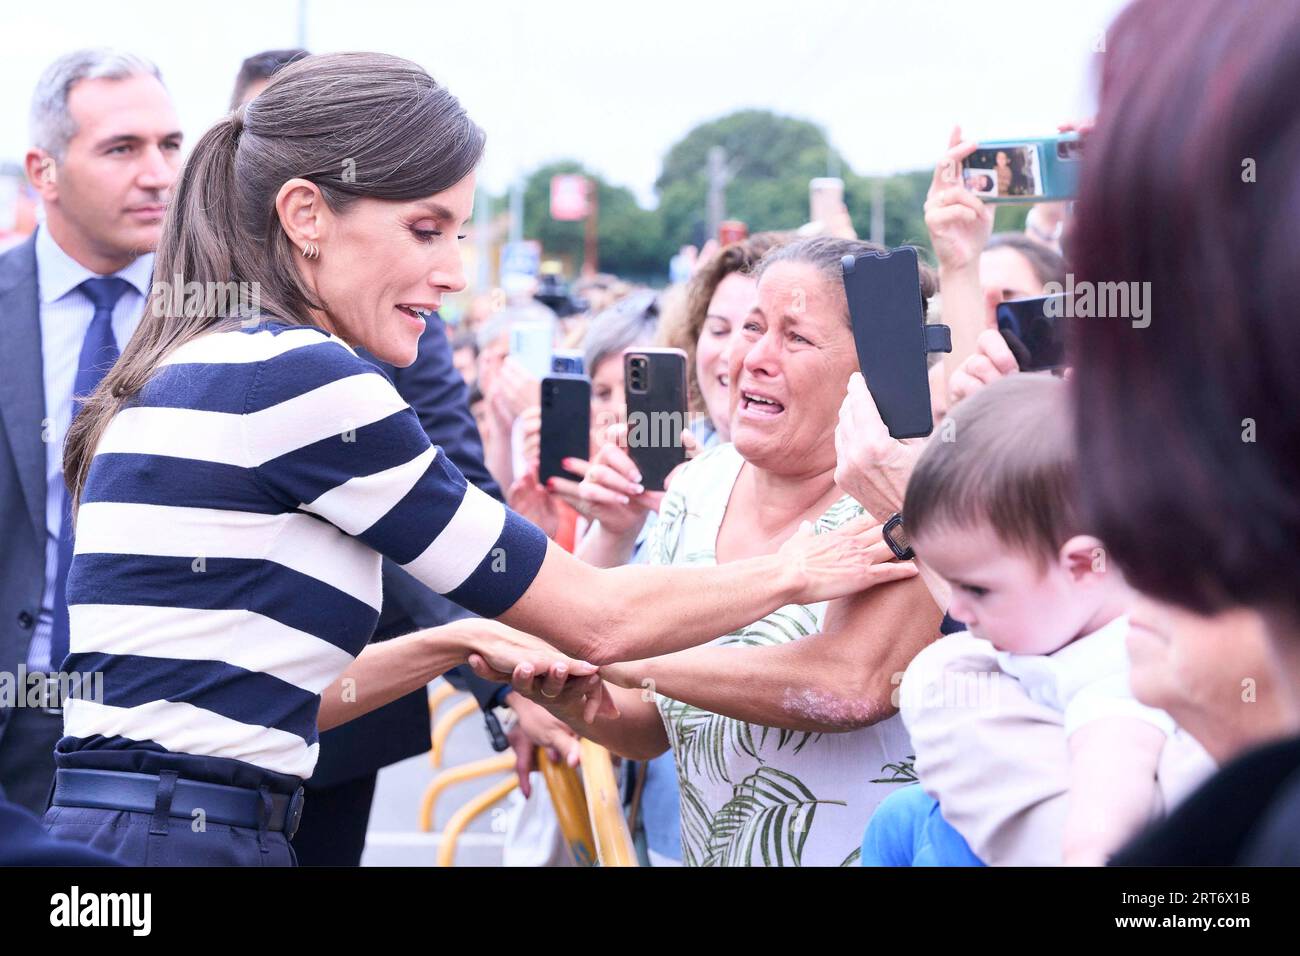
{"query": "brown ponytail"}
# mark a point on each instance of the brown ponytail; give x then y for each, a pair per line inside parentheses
(354, 124)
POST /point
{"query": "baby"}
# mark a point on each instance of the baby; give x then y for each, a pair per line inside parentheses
(992, 508)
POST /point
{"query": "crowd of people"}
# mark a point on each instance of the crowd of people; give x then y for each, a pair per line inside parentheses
(269, 529)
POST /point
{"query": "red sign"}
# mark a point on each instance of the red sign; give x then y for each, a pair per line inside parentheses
(569, 198)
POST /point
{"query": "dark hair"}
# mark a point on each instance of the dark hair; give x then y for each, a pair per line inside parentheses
(1005, 458)
(353, 124)
(681, 328)
(262, 66)
(465, 340)
(1189, 427)
(825, 253)
(1048, 264)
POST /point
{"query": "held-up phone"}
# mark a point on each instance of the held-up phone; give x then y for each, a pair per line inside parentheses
(567, 362)
(654, 382)
(1043, 169)
(825, 197)
(887, 311)
(566, 424)
(1035, 331)
(530, 344)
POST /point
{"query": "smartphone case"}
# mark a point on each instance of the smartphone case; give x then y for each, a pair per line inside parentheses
(656, 414)
(1059, 173)
(1035, 333)
(887, 311)
(566, 424)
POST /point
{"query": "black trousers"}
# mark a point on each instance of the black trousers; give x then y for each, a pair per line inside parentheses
(334, 822)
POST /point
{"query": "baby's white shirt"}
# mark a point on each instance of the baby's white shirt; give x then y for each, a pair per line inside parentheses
(1085, 680)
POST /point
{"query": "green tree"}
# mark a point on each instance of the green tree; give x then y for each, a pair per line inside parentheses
(770, 158)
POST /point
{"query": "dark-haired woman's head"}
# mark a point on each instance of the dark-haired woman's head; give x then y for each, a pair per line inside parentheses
(792, 357)
(1014, 266)
(1189, 427)
(365, 162)
(336, 195)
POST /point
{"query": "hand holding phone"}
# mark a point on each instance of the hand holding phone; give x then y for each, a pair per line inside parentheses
(1033, 170)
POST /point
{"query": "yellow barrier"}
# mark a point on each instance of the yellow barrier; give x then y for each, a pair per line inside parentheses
(442, 729)
(470, 771)
(565, 788)
(462, 817)
(613, 839)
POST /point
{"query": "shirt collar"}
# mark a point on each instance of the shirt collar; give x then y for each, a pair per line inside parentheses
(58, 273)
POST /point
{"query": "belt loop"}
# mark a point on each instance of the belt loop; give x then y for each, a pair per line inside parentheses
(264, 818)
(162, 807)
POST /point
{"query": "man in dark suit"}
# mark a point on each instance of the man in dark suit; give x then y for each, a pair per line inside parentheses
(106, 150)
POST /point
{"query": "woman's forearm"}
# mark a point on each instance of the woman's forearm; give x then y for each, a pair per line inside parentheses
(837, 680)
(784, 686)
(963, 311)
(602, 548)
(637, 733)
(604, 615)
(385, 671)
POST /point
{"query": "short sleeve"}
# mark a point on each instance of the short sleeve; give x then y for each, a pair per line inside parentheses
(328, 434)
(1111, 696)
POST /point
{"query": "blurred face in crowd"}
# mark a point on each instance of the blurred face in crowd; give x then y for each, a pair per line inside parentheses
(608, 403)
(1018, 604)
(732, 301)
(790, 364)
(1005, 274)
(105, 199)
(490, 360)
(466, 363)
(383, 264)
(1214, 674)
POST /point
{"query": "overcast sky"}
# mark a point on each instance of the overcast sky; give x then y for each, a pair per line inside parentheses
(616, 83)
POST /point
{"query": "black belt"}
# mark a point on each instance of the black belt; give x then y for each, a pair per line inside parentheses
(138, 793)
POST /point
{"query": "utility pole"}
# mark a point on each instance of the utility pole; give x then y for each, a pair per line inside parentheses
(718, 177)
(590, 246)
(878, 210)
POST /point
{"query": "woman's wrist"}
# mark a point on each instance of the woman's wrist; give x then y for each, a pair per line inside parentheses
(448, 645)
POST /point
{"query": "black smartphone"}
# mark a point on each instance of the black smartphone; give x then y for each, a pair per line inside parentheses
(887, 311)
(654, 382)
(566, 424)
(1034, 330)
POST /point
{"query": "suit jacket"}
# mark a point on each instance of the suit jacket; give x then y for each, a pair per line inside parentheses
(431, 385)
(22, 459)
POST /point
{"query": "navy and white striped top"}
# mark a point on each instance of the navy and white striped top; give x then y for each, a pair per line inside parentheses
(229, 542)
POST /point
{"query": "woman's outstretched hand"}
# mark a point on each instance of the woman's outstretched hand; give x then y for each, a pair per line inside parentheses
(852, 558)
(536, 670)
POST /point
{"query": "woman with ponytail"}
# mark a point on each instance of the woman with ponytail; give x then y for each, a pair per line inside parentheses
(238, 475)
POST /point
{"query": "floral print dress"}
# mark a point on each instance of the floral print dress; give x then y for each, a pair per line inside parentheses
(753, 795)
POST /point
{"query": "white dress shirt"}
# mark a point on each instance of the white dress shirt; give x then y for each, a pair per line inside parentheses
(65, 315)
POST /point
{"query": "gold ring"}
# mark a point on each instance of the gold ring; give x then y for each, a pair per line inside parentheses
(548, 696)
